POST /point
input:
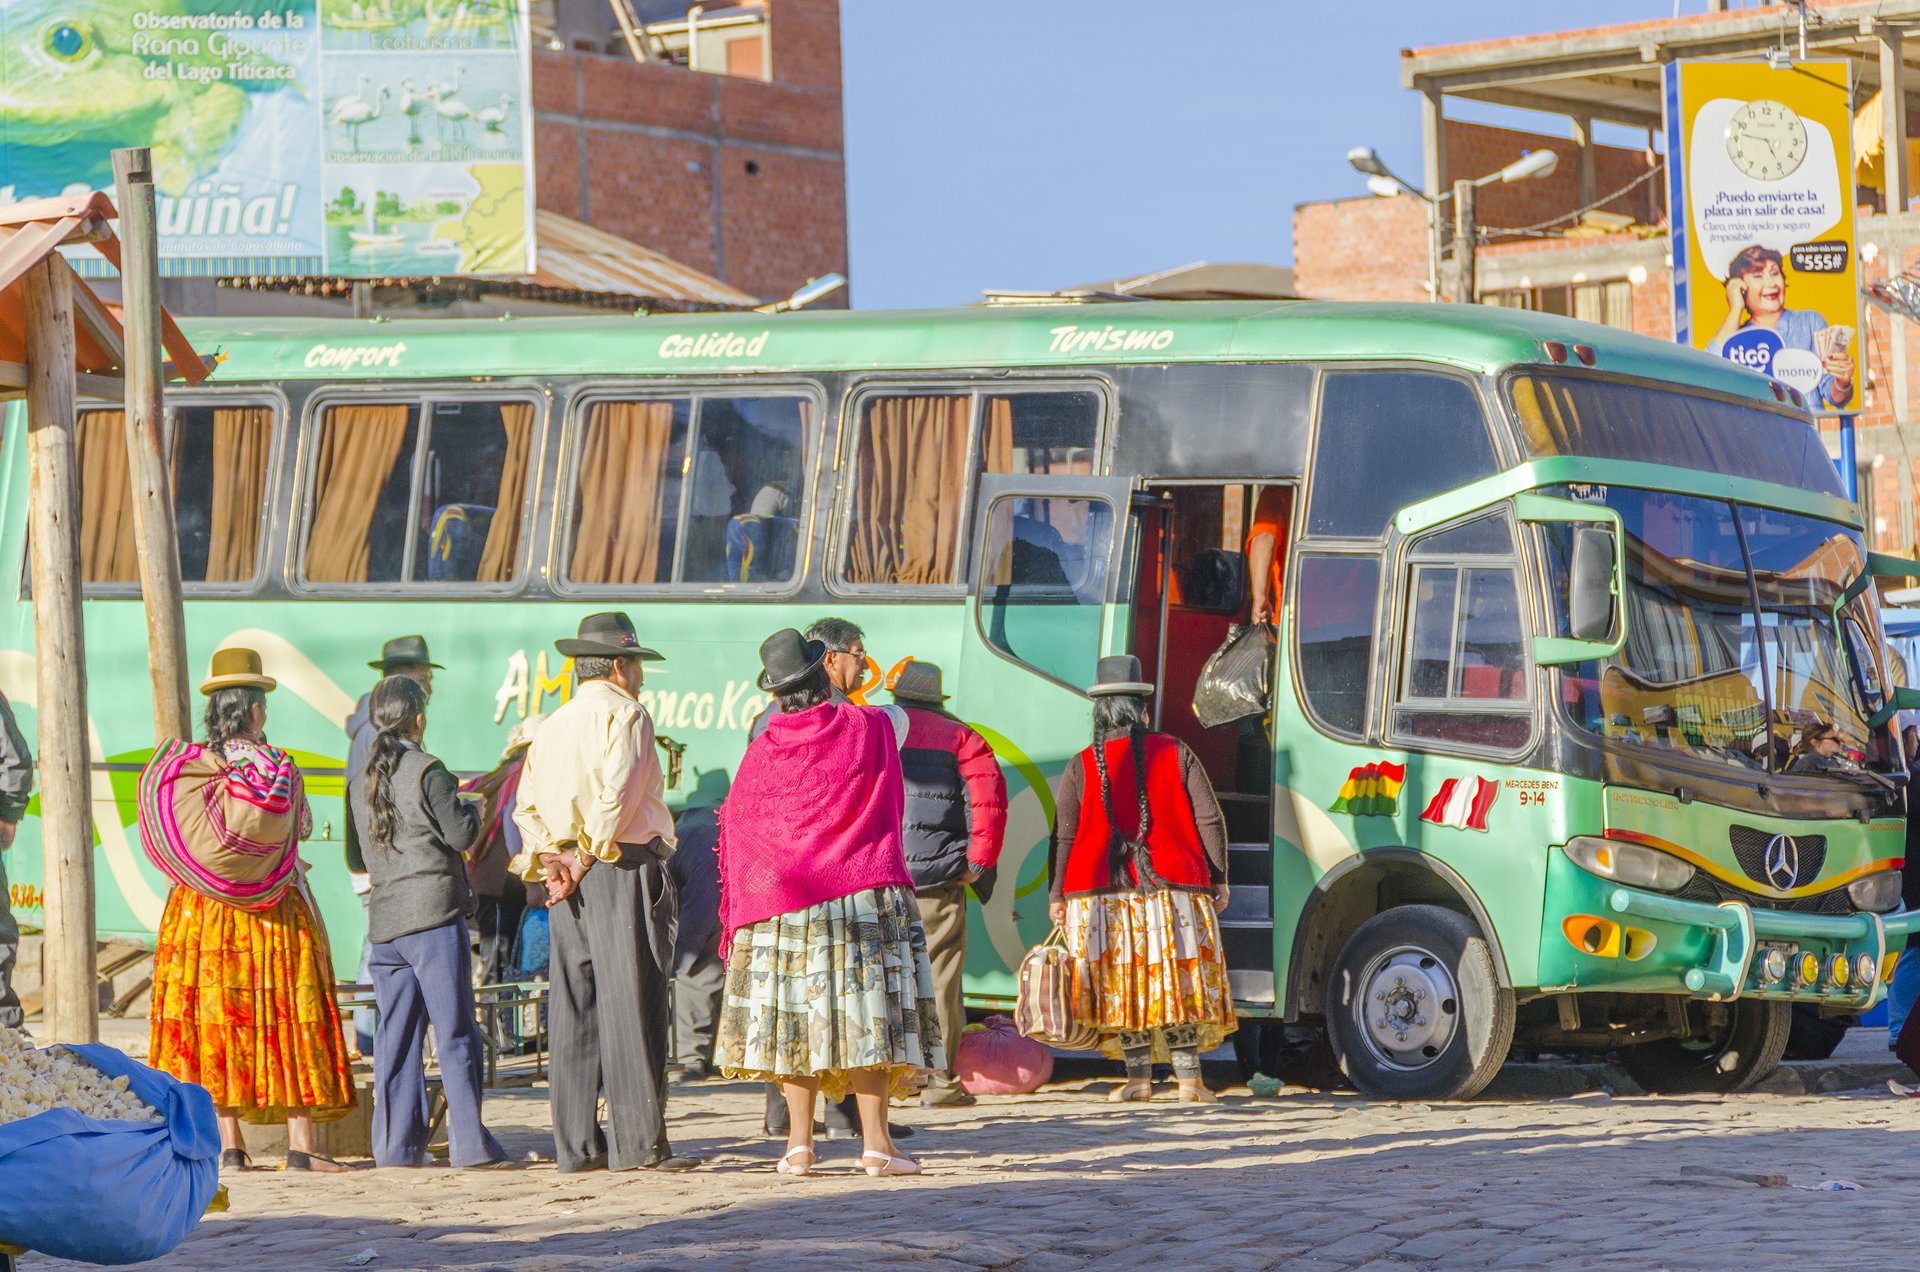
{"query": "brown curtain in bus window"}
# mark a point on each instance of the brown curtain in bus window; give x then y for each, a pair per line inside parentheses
(996, 439)
(107, 553)
(503, 532)
(622, 493)
(913, 451)
(241, 438)
(358, 447)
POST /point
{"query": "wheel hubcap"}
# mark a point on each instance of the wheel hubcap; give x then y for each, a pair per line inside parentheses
(1409, 1008)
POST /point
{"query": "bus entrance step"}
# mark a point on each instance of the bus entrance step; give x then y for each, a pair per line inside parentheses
(1250, 865)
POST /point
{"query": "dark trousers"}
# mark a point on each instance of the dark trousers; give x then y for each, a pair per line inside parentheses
(10, 1014)
(844, 1116)
(426, 977)
(612, 950)
(498, 919)
(697, 987)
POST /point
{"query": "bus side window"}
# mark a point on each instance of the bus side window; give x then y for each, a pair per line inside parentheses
(908, 517)
(220, 489)
(1464, 670)
(905, 524)
(219, 468)
(627, 489)
(357, 529)
(1057, 433)
(1388, 439)
(1334, 603)
(749, 490)
(419, 491)
(1044, 581)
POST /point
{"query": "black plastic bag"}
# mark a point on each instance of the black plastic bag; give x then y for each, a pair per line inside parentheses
(1236, 679)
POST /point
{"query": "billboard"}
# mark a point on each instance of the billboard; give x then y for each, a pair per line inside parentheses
(1760, 191)
(365, 138)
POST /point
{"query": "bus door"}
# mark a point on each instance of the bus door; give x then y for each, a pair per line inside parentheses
(1043, 592)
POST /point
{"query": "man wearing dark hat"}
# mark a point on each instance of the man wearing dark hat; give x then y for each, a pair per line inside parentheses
(956, 818)
(595, 829)
(402, 656)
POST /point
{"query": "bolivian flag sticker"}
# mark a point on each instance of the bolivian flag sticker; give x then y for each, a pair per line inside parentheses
(1372, 790)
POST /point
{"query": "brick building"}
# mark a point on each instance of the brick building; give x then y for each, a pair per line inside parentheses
(1613, 264)
(737, 169)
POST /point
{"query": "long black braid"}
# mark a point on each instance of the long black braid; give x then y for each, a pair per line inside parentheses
(230, 715)
(1117, 715)
(397, 702)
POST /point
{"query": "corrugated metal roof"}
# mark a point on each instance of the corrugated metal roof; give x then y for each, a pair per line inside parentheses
(32, 231)
(572, 256)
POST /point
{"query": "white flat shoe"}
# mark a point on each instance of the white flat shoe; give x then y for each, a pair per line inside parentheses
(787, 1165)
(878, 1164)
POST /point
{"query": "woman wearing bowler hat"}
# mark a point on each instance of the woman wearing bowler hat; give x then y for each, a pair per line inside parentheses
(1139, 871)
(828, 986)
(242, 976)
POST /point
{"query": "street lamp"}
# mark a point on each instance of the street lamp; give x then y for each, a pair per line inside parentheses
(1383, 182)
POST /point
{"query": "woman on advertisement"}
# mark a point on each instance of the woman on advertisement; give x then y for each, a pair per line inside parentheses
(1757, 297)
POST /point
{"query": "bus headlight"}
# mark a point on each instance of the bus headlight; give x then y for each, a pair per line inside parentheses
(1879, 891)
(1628, 863)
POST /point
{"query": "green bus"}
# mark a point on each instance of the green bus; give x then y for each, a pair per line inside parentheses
(1579, 719)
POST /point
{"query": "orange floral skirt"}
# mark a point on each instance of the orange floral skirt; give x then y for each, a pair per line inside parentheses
(1144, 960)
(243, 1005)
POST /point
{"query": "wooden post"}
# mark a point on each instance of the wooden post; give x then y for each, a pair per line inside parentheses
(1464, 288)
(1433, 145)
(53, 494)
(153, 524)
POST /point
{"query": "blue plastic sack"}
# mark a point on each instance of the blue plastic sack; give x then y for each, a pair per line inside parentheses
(80, 1188)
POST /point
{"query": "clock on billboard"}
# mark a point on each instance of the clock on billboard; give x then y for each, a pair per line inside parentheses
(1766, 140)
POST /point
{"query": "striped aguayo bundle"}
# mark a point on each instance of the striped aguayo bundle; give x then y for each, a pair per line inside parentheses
(228, 832)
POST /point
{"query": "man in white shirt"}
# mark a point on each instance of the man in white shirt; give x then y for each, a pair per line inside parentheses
(595, 829)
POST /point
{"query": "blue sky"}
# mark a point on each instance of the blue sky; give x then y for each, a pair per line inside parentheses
(1042, 143)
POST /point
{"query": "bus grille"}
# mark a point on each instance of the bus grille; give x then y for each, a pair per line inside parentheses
(1808, 853)
(1704, 887)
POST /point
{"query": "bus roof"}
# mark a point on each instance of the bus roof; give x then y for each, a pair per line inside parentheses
(1475, 337)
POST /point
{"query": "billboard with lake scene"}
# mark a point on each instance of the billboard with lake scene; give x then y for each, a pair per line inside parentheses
(361, 138)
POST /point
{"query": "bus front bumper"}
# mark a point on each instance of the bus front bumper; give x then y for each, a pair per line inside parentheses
(1614, 937)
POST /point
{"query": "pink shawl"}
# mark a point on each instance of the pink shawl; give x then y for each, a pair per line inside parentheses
(813, 815)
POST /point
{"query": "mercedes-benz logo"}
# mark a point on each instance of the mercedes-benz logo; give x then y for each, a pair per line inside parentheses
(1783, 861)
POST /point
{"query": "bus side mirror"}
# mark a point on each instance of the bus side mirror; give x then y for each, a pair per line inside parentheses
(1590, 588)
(1900, 700)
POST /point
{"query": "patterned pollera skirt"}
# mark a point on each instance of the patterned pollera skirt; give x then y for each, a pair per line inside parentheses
(835, 987)
(243, 1005)
(1144, 960)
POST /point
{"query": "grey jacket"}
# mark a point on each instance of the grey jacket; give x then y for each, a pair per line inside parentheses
(420, 882)
(16, 768)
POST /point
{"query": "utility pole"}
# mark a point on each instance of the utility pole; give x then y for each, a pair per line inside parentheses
(1463, 238)
(53, 496)
(153, 520)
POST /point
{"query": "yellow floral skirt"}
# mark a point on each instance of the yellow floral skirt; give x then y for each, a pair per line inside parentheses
(243, 1005)
(1144, 960)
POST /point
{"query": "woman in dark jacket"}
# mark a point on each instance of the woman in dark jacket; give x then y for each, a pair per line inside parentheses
(1139, 872)
(414, 829)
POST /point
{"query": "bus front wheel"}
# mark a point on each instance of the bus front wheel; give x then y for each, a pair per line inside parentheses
(1415, 1009)
(1732, 1047)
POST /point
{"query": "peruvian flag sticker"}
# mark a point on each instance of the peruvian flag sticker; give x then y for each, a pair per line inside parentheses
(1462, 803)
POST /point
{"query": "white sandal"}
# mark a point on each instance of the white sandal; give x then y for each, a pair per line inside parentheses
(787, 1166)
(1140, 1091)
(888, 1165)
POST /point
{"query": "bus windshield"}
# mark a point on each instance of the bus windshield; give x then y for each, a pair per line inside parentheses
(1565, 414)
(1738, 647)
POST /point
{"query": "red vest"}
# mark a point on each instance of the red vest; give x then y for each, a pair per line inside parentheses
(1173, 840)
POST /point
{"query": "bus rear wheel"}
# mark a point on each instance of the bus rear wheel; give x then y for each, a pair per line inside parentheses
(1733, 1047)
(1415, 1009)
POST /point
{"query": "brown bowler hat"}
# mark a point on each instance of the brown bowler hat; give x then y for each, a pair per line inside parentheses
(236, 667)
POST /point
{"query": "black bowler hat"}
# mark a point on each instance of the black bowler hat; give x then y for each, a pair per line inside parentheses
(788, 658)
(608, 635)
(1117, 675)
(404, 651)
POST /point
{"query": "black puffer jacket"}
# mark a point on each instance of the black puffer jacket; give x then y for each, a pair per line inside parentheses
(956, 813)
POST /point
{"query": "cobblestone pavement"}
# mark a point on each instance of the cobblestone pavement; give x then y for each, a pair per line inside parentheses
(1062, 1181)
